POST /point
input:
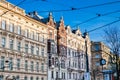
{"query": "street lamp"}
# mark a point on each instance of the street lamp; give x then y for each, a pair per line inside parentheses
(114, 59)
(87, 74)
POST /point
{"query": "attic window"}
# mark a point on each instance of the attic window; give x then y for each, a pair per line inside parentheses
(37, 26)
(78, 34)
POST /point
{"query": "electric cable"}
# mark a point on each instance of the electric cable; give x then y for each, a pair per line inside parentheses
(98, 15)
(103, 26)
(86, 7)
(13, 7)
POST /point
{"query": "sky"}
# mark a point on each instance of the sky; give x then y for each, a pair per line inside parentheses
(74, 17)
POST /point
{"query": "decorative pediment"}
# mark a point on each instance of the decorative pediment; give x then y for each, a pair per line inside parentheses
(50, 20)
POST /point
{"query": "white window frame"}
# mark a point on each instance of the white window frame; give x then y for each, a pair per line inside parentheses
(3, 24)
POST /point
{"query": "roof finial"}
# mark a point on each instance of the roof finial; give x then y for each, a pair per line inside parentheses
(78, 27)
(50, 13)
(61, 18)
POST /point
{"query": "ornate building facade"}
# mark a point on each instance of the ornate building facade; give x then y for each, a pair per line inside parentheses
(76, 60)
(99, 51)
(23, 49)
(37, 48)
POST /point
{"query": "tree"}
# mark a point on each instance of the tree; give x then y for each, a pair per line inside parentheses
(112, 38)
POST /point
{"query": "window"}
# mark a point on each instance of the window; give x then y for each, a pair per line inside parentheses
(69, 52)
(50, 35)
(26, 48)
(64, 75)
(31, 78)
(10, 64)
(11, 27)
(32, 35)
(97, 56)
(18, 64)
(52, 74)
(56, 74)
(17, 78)
(69, 63)
(37, 36)
(69, 75)
(3, 41)
(26, 65)
(62, 64)
(32, 66)
(37, 50)
(32, 49)
(37, 66)
(97, 63)
(1, 77)
(82, 65)
(42, 78)
(11, 44)
(19, 30)
(19, 45)
(42, 39)
(42, 51)
(42, 67)
(3, 24)
(2, 63)
(37, 78)
(96, 47)
(25, 78)
(26, 33)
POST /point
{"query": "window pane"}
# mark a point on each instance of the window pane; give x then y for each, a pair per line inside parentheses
(32, 49)
(26, 33)
(26, 48)
(2, 63)
(37, 67)
(3, 24)
(11, 27)
(26, 65)
(19, 46)
(25, 78)
(18, 30)
(37, 50)
(32, 66)
(37, 36)
(11, 44)
(10, 64)
(3, 41)
(42, 67)
(42, 51)
(18, 63)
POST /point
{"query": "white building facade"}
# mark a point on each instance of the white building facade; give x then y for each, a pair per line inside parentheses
(23, 49)
(76, 57)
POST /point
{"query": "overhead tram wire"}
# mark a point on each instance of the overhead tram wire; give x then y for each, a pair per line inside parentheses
(103, 26)
(13, 7)
(98, 15)
(86, 7)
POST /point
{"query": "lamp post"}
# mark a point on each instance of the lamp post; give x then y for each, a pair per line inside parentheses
(87, 74)
(114, 59)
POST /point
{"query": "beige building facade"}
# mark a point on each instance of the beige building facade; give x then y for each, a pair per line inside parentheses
(99, 51)
(23, 45)
(76, 54)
